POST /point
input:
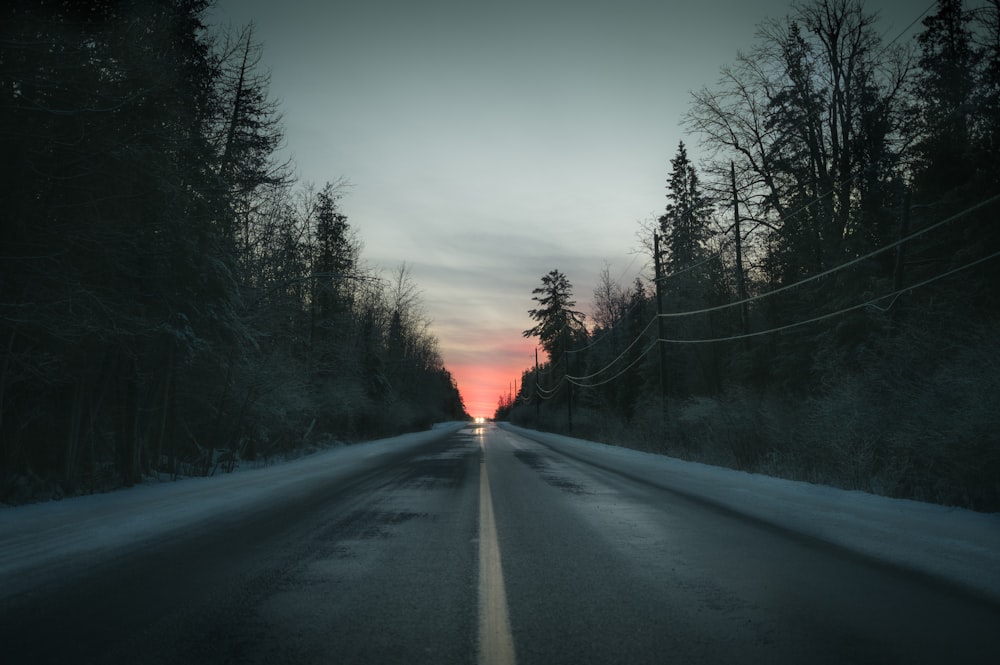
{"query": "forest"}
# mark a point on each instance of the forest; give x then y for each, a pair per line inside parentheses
(172, 300)
(823, 300)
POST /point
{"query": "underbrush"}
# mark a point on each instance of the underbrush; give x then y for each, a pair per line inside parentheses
(916, 419)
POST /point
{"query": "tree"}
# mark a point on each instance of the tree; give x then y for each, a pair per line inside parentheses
(684, 226)
(610, 301)
(641, 375)
(156, 274)
(335, 256)
(690, 281)
(944, 90)
(247, 129)
(987, 97)
(813, 119)
(557, 322)
(113, 228)
(830, 139)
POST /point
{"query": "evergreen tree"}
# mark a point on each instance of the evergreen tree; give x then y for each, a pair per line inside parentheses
(686, 275)
(684, 225)
(812, 118)
(247, 129)
(641, 375)
(111, 228)
(156, 274)
(987, 121)
(557, 321)
(336, 254)
(944, 89)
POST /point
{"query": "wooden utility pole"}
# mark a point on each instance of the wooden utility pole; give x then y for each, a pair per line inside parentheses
(659, 320)
(904, 230)
(538, 393)
(897, 273)
(741, 287)
(569, 386)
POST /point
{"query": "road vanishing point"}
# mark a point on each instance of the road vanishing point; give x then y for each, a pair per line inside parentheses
(477, 544)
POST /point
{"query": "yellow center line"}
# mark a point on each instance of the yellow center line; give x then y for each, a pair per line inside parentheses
(496, 644)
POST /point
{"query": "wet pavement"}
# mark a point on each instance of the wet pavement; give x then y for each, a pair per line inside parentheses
(596, 568)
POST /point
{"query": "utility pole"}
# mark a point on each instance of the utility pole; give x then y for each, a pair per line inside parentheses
(569, 386)
(538, 393)
(904, 230)
(659, 320)
(741, 288)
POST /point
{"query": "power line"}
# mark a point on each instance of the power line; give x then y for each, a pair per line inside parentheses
(725, 245)
(549, 391)
(912, 23)
(718, 253)
(826, 273)
(842, 266)
(576, 380)
(868, 303)
(628, 312)
(637, 302)
(620, 355)
(805, 206)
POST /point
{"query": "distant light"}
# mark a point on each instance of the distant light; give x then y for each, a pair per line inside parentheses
(480, 420)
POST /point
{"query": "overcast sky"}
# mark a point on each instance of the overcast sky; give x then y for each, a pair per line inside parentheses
(490, 142)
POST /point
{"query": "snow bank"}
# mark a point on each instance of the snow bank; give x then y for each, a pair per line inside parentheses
(956, 545)
(44, 541)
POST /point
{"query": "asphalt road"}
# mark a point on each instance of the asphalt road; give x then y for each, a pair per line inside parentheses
(484, 546)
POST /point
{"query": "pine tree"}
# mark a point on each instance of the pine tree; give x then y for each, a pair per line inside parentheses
(336, 253)
(112, 207)
(557, 321)
(987, 99)
(684, 226)
(689, 281)
(944, 89)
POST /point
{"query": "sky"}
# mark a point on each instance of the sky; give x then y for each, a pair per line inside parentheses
(488, 143)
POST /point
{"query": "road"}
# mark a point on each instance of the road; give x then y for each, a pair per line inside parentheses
(485, 546)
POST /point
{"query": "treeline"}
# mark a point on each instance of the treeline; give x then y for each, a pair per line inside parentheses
(171, 300)
(824, 301)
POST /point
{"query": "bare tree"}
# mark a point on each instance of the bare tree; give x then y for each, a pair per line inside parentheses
(610, 301)
(811, 117)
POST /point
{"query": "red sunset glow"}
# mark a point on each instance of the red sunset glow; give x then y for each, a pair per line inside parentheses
(482, 383)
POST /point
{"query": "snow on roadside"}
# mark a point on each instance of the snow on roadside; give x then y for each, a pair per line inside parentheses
(959, 546)
(44, 541)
